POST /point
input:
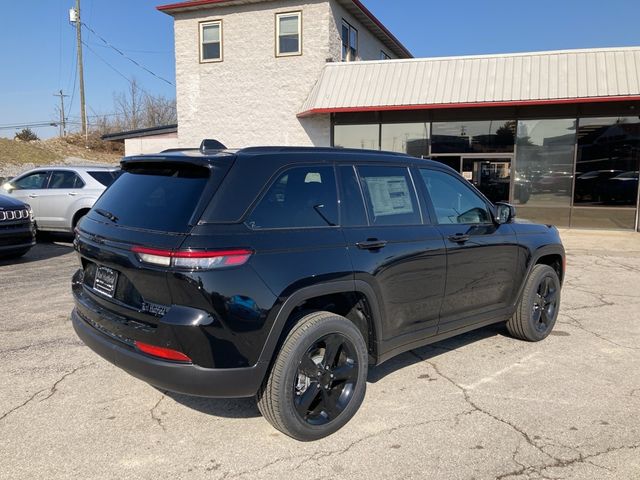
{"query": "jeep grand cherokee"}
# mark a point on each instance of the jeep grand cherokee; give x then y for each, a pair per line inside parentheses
(284, 273)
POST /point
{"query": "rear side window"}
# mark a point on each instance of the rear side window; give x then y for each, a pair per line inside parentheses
(162, 199)
(453, 200)
(105, 178)
(390, 196)
(300, 197)
(65, 179)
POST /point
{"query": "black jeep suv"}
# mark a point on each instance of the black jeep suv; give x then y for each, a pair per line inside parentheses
(17, 228)
(285, 272)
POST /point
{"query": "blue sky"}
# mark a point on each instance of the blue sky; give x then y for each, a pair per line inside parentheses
(39, 56)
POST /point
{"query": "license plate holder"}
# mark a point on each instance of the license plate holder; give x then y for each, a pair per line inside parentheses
(105, 281)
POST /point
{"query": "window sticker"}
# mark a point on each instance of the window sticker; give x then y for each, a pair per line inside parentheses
(389, 195)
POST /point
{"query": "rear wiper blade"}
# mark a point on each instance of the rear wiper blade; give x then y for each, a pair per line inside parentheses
(106, 214)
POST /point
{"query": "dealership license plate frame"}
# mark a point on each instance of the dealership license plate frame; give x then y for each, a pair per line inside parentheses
(105, 281)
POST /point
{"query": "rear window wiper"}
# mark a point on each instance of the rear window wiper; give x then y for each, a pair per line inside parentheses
(106, 214)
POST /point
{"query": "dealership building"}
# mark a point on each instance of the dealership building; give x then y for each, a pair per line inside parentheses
(555, 133)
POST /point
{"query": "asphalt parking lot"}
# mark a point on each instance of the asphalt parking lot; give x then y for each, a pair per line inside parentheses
(480, 406)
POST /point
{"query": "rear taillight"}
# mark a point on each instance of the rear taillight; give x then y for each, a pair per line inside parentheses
(162, 352)
(193, 259)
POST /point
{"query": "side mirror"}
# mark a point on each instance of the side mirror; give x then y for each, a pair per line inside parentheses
(505, 213)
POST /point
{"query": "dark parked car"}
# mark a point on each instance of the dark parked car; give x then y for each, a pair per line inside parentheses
(284, 273)
(17, 230)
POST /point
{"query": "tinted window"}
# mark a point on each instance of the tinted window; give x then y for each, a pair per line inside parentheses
(65, 180)
(478, 136)
(160, 199)
(106, 178)
(453, 201)
(300, 197)
(389, 195)
(352, 208)
(32, 181)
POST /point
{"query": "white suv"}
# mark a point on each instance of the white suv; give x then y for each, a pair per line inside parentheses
(60, 196)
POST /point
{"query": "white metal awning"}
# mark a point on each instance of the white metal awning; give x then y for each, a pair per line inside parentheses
(566, 76)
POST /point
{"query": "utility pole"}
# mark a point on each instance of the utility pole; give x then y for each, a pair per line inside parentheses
(63, 122)
(83, 111)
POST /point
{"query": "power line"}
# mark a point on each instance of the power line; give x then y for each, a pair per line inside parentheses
(138, 64)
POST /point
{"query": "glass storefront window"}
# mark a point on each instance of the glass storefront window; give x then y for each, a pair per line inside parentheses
(357, 136)
(486, 136)
(544, 170)
(608, 162)
(409, 138)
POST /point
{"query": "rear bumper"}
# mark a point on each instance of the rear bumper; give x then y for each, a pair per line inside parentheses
(176, 377)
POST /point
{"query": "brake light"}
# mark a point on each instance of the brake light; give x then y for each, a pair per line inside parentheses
(161, 352)
(193, 259)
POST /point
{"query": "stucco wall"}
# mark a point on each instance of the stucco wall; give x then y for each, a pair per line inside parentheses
(251, 97)
(368, 45)
(151, 144)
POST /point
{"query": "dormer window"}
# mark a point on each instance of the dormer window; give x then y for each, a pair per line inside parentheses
(211, 41)
(349, 42)
(288, 34)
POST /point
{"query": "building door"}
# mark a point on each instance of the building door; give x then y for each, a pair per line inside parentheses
(492, 176)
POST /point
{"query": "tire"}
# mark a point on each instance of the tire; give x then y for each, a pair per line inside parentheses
(308, 396)
(537, 310)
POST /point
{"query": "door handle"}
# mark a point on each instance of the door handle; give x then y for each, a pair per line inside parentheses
(371, 244)
(459, 238)
(32, 195)
(72, 194)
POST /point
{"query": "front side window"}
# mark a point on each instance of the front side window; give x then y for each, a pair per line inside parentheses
(349, 42)
(389, 195)
(301, 197)
(288, 34)
(211, 41)
(33, 181)
(64, 179)
(453, 201)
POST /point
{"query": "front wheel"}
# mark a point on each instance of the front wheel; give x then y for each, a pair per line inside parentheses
(318, 380)
(537, 310)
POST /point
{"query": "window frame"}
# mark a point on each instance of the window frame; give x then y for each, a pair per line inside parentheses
(201, 27)
(429, 202)
(348, 44)
(77, 177)
(272, 181)
(278, 15)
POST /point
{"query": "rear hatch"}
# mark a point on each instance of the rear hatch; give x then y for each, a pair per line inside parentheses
(153, 205)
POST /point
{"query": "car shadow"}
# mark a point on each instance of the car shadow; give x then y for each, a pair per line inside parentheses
(49, 245)
(246, 407)
(218, 407)
(428, 352)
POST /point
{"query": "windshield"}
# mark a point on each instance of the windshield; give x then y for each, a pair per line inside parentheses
(162, 199)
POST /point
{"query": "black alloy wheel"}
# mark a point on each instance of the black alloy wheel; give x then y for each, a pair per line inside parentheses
(326, 379)
(537, 309)
(319, 378)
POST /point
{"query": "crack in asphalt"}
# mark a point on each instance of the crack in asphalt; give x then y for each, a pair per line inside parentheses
(578, 324)
(477, 408)
(52, 390)
(156, 418)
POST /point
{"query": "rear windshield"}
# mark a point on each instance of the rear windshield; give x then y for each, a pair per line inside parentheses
(106, 178)
(162, 199)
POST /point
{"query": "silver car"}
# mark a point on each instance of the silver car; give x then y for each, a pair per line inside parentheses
(60, 196)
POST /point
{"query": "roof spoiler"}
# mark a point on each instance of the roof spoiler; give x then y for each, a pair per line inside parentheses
(211, 144)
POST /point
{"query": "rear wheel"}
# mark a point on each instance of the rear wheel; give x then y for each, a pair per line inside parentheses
(537, 310)
(318, 380)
